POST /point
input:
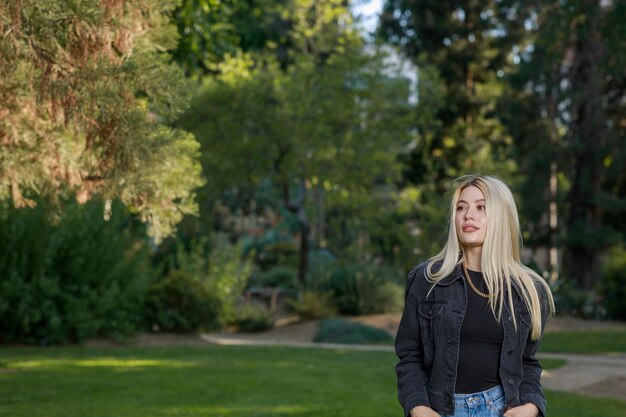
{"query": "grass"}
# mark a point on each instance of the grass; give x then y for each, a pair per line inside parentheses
(552, 363)
(588, 341)
(218, 382)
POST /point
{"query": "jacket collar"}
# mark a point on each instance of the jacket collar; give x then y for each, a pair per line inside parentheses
(453, 276)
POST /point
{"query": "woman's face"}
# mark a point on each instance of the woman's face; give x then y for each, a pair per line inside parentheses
(470, 218)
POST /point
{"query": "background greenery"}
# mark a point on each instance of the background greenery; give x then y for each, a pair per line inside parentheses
(273, 144)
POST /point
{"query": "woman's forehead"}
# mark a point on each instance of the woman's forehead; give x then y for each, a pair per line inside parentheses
(471, 194)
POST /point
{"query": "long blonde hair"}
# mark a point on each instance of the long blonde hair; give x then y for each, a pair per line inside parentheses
(501, 252)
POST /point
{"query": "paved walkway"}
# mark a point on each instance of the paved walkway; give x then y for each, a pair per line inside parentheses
(599, 375)
(603, 375)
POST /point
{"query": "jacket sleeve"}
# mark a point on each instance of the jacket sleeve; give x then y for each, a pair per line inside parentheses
(412, 376)
(530, 388)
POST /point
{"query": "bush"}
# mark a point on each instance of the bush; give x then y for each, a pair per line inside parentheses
(253, 318)
(375, 297)
(612, 286)
(181, 303)
(216, 266)
(343, 331)
(313, 305)
(279, 277)
(361, 288)
(72, 274)
(574, 301)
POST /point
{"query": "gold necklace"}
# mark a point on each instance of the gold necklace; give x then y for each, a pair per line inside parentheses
(469, 280)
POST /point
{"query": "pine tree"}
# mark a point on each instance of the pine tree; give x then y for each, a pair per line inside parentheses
(86, 92)
(463, 47)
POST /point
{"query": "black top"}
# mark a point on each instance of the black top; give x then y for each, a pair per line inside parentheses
(481, 341)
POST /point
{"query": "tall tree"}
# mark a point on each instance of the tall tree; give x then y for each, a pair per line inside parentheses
(467, 44)
(85, 95)
(571, 86)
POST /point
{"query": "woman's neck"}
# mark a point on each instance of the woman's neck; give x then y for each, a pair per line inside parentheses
(473, 258)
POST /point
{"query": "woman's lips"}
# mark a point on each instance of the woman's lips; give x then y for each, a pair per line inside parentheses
(470, 228)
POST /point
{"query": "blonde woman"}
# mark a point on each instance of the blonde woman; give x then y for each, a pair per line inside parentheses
(474, 316)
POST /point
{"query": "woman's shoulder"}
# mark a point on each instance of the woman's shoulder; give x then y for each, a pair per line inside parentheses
(418, 276)
(419, 270)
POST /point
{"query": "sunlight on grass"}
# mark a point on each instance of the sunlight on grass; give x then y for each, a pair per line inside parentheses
(100, 363)
(220, 382)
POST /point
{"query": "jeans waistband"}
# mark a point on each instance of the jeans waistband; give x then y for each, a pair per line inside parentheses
(478, 398)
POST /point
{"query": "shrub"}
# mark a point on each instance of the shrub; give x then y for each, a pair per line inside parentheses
(343, 331)
(313, 305)
(72, 274)
(383, 297)
(612, 286)
(279, 276)
(253, 318)
(217, 268)
(361, 288)
(574, 301)
(181, 303)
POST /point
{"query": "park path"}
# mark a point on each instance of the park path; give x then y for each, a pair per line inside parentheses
(601, 375)
(598, 375)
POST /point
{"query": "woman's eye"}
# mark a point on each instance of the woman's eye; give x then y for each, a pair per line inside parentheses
(459, 208)
(481, 207)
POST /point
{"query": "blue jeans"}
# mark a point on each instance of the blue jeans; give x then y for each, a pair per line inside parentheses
(488, 403)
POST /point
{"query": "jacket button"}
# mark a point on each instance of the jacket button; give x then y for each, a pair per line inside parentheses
(510, 318)
(509, 352)
(510, 381)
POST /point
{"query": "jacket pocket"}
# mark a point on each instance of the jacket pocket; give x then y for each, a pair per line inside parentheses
(430, 317)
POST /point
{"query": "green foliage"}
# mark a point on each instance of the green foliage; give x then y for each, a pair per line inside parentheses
(612, 285)
(206, 34)
(253, 318)
(71, 277)
(571, 300)
(86, 92)
(215, 272)
(461, 50)
(571, 137)
(180, 303)
(227, 273)
(311, 305)
(210, 30)
(360, 288)
(320, 134)
(343, 331)
(279, 276)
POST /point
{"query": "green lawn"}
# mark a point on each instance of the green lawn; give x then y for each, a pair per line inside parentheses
(588, 341)
(216, 381)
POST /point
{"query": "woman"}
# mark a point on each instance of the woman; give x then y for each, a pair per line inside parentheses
(474, 316)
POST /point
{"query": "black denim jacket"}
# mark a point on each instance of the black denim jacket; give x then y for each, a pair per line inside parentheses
(427, 344)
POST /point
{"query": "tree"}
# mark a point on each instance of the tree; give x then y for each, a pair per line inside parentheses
(86, 93)
(567, 99)
(463, 47)
(333, 121)
(211, 29)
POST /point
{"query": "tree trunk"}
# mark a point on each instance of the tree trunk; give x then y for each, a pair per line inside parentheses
(586, 139)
